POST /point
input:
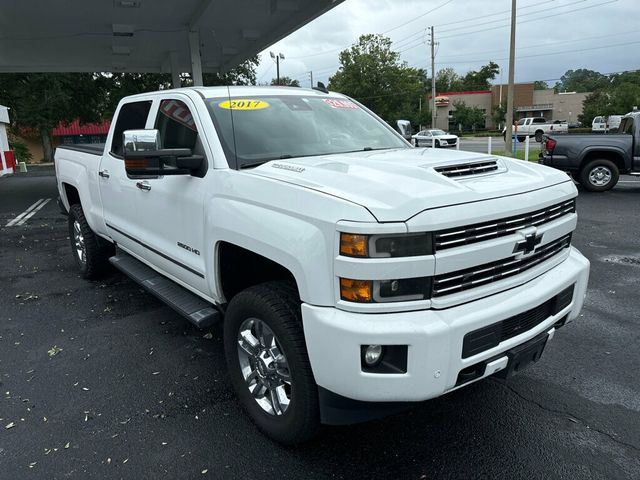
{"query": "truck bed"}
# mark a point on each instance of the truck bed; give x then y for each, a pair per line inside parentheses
(90, 148)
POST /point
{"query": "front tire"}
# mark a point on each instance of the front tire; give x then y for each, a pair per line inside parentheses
(90, 252)
(437, 143)
(268, 362)
(599, 175)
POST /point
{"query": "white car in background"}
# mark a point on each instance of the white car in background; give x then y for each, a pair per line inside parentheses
(425, 138)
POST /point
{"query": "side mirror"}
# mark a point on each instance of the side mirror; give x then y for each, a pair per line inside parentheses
(404, 128)
(143, 155)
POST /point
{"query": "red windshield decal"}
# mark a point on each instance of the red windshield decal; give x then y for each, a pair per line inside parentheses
(336, 103)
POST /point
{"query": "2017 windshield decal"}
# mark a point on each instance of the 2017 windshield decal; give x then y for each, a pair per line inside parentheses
(337, 103)
(244, 104)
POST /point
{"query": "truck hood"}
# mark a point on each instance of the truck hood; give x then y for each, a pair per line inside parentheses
(395, 185)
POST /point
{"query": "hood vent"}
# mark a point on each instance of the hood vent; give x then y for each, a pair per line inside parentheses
(466, 169)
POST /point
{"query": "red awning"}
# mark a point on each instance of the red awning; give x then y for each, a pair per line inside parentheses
(74, 128)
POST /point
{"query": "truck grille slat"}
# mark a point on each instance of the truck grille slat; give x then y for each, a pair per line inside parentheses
(456, 237)
(448, 283)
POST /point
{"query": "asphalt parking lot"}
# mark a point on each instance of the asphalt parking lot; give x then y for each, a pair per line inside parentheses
(100, 380)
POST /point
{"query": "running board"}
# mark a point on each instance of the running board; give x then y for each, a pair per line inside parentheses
(634, 173)
(195, 309)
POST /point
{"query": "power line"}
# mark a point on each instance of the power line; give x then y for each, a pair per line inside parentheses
(419, 16)
(528, 21)
(506, 19)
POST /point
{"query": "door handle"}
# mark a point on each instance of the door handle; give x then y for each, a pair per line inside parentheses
(104, 173)
(143, 186)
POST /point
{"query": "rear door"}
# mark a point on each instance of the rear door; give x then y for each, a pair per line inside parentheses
(172, 206)
(118, 192)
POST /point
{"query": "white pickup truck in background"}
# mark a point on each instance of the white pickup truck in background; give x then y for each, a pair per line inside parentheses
(352, 273)
(536, 127)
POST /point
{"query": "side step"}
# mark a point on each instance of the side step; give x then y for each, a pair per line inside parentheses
(197, 310)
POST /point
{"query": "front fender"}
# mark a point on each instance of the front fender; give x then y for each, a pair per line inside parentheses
(303, 246)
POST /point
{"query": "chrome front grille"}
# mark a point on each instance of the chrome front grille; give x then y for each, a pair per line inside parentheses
(454, 282)
(466, 169)
(456, 237)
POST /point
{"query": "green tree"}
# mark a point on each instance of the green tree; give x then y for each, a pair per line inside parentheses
(619, 95)
(540, 85)
(581, 80)
(480, 79)
(373, 74)
(285, 81)
(40, 101)
(447, 80)
(243, 74)
(468, 117)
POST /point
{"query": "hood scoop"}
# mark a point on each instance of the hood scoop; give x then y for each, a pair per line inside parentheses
(468, 169)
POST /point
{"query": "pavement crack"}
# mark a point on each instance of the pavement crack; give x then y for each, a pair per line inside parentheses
(611, 436)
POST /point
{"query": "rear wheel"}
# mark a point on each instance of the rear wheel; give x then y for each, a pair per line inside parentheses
(268, 362)
(539, 134)
(599, 175)
(90, 252)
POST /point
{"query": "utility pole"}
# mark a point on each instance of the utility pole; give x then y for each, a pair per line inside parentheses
(433, 79)
(512, 57)
(311, 77)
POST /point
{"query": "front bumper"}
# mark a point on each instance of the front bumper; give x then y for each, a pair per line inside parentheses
(434, 338)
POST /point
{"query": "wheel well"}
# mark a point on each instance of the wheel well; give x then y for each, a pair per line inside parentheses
(71, 193)
(240, 268)
(616, 158)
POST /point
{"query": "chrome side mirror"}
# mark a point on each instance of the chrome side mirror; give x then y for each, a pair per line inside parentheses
(140, 141)
(404, 128)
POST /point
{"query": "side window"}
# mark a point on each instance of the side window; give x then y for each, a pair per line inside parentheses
(539, 120)
(176, 125)
(132, 116)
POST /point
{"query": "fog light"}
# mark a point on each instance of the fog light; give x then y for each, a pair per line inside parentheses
(372, 355)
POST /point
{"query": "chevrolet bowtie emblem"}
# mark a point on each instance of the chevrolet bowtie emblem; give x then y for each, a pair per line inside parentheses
(531, 240)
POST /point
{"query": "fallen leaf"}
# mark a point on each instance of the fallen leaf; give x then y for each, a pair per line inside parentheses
(68, 444)
(155, 373)
(10, 425)
(125, 460)
(208, 336)
(54, 350)
(205, 471)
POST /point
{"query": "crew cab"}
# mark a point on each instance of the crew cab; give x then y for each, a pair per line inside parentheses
(351, 272)
(536, 127)
(596, 161)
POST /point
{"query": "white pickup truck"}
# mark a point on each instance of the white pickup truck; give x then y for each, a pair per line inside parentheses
(536, 127)
(352, 273)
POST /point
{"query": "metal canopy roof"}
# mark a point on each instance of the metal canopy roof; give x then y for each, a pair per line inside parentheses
(144, 35)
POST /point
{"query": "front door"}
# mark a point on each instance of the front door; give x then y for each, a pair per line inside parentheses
(172, 207)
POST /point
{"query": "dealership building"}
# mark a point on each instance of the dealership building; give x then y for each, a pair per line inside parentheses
(527, 101)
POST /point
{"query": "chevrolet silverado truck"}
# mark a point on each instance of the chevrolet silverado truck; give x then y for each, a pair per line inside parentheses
(536, 127)
(352, 273)
(596, 161)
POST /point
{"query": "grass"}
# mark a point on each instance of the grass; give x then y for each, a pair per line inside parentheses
(533, 154)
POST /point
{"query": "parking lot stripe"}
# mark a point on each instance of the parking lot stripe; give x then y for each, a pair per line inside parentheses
(13, 222)
(33, 212)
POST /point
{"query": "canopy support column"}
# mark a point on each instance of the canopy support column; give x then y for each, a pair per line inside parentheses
(196, 62)
(175, 72)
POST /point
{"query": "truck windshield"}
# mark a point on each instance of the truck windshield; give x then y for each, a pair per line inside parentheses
(262, 128)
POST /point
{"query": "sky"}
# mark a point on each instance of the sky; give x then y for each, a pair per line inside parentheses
(552, 36)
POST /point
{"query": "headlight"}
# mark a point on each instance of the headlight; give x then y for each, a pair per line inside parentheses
(381, 291)
(381, 246)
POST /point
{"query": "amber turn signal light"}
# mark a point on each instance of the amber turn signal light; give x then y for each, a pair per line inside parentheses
(353, 245)
(356, 290)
